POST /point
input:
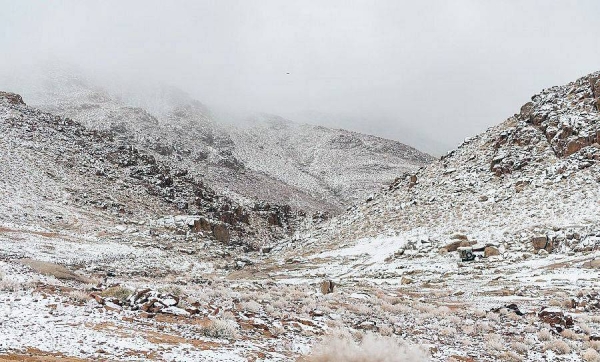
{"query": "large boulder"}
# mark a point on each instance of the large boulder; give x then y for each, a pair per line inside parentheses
(542, 242)
(12, 98)
(221, 233)
(490, 251)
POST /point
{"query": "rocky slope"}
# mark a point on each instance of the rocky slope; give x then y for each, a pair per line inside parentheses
(51, 163)
(536, 174)
(272, 159)
(344, 165)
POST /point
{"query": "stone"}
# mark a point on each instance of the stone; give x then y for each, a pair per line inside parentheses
(12, 98)
(541, 242)
(490, 251)
(459, 236)
(592, 264)
(595, 83)
(221, 233)
(556, 319)
(327, 286)
(453, 246)
(526, 109)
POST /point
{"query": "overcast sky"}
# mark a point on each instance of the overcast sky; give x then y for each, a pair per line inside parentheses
(427, 73)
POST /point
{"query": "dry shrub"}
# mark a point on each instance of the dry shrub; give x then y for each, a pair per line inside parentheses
(372, 348)
(544, 335)
(220, 328)
(118, 292)
(590, 355)
(520, 347)
(79, 296)
(558, 346)
(510, 356)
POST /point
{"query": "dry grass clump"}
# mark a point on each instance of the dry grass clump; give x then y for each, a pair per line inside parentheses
(220, 328)
(372, 348)
(590, 355)
(79, 296)
(520, 347)
(510, 356)
(250, 306)
(544, 335)
(8, 284)
(118, 292)
(557, 346)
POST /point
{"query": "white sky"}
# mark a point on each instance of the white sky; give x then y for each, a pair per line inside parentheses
(427, 73)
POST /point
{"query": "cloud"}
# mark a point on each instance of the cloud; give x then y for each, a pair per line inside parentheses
(437, 69)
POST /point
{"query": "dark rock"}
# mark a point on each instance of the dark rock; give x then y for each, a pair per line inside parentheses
(12, 98)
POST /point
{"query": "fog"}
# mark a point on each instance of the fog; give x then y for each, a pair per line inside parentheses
(427, 73)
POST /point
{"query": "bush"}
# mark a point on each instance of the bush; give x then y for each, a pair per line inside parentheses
(372, 348)
(118, 292)
(220, 328)
(590, 355)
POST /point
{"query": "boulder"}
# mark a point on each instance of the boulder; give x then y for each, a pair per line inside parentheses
(490, 251)
(327, 286)
(595, 83)
(221, 233)
(592, 264)
(453, 246)
(542, 242)
(12, 98)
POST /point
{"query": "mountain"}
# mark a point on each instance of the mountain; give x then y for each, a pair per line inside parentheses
(126, 233)
(535, 173)
(264, 157)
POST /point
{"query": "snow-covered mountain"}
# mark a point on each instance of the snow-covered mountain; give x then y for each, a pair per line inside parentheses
(535, 173)
(135, 234)
(265, 157)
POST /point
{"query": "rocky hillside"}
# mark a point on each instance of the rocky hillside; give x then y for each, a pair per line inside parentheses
(346, 166)
(310, 168)
(534, 175)
(54, 167)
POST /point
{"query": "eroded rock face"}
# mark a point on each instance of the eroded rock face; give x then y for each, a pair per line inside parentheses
(12, 98)
(566, 116)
